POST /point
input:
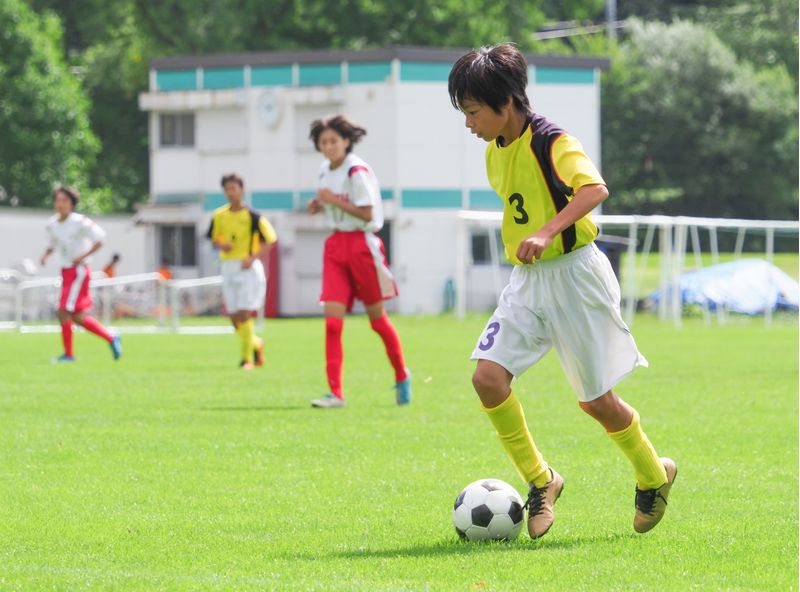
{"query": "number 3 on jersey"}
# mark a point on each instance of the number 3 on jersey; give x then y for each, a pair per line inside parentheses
(520, 215)
(487, 342)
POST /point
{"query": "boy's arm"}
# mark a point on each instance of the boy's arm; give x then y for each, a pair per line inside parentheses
(79, 259)
(48, 251)
(329, 197)
(585, 200)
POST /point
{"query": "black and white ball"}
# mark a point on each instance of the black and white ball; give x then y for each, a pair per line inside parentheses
(488, 509)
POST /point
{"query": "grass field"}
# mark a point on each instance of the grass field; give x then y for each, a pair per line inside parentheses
(173, 470)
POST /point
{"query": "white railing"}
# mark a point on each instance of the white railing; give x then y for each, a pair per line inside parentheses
(673, 234)
(168, 303)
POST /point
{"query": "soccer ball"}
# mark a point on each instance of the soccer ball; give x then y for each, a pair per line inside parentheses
(488, 509)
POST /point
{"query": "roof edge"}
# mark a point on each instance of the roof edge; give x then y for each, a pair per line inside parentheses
(323, 56)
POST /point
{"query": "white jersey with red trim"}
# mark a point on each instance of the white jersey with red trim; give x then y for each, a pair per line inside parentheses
(72, 237)
(352, 181)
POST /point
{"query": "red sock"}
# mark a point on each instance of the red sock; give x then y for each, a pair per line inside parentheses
(93, 325)
(383, 327)
(334, 356)
(66, 338)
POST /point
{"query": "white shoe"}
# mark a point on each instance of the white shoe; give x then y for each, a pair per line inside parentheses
(328, 401)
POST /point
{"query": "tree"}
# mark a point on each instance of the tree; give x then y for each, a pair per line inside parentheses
(44, 123)
(687, 129)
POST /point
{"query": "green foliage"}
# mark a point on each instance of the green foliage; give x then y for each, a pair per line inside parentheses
(688, 129)
(249, 25)
(174, 470)
(44, 121)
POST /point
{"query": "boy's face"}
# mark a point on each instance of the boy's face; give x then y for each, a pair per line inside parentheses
(233, 191)
(62, 204)
(332, 145)
(483, 121)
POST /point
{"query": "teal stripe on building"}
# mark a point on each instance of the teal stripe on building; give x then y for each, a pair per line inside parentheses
(271, 76)
(424, 72)
(377, 72)
(176, 198)
(316, 74)
(484, 199)
(273, 200)
(564, 75)
(176, 80)
(431, 198)
(216, 78)
(212, 201)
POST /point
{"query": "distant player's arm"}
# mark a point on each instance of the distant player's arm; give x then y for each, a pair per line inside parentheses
(327, 196)
(261, 247)
(94, 248)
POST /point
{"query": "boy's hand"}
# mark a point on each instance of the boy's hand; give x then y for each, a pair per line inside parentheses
(247, 262)
(327, 196)
(532, 247)
(314, 207)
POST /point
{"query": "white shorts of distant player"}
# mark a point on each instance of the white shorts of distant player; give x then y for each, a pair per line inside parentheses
(570, 303)
(243, 289)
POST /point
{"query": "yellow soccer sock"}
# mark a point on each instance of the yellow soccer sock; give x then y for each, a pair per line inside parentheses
(508, 419)
(246, 335)
(650, 472)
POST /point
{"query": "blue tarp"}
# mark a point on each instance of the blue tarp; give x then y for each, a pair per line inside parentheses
(749, 286)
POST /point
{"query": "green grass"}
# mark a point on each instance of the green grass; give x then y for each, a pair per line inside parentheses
(172, 470)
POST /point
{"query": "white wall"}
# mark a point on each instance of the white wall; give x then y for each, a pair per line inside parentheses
(23, 236)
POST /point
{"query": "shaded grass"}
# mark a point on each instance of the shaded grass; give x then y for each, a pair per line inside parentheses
(173, 470)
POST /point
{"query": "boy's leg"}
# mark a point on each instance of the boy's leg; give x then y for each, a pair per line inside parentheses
(380, 323)
(334, 352)
(492, 383)
(66, 332)
(654, 475)
(246, 331)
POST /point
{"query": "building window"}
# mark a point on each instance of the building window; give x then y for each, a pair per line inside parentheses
(178, 245)
(482, 248)
(176, 129)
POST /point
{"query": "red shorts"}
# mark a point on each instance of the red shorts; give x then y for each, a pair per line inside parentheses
(75, 295)
(354, 266)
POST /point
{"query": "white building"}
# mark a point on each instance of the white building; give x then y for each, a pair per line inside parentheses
(250, 114)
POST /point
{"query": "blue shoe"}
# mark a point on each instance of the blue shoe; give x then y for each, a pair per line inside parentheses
(63, 358)
(403, 395)
(116, 347)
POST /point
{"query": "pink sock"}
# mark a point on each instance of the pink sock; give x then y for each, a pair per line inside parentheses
(383, 327)
(93, 325)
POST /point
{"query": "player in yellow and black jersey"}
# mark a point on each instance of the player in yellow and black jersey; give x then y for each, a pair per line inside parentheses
(562, 293)
(243, 237)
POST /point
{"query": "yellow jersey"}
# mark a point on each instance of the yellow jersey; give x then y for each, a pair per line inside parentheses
(245, 229)
(536, 176)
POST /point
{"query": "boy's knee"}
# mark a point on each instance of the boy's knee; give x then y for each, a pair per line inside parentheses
(486, 381)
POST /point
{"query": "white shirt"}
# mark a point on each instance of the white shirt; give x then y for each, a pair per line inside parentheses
(352, 181)
(72, 237)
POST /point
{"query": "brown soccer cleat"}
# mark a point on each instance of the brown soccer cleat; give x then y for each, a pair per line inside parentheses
(652, 503)
(540, 505)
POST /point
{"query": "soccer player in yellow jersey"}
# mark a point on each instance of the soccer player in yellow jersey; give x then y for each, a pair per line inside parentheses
(242, 236)
(562, 292)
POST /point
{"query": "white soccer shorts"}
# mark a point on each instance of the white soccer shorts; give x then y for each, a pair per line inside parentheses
(243, 289)
(570, 303)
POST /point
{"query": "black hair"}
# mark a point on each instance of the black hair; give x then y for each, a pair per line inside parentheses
(490, 75)
(232, 177)
(341, 125)
(70, 192)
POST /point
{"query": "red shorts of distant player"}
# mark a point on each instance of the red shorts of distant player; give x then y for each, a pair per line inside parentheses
(75, 295)
(354, 266)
